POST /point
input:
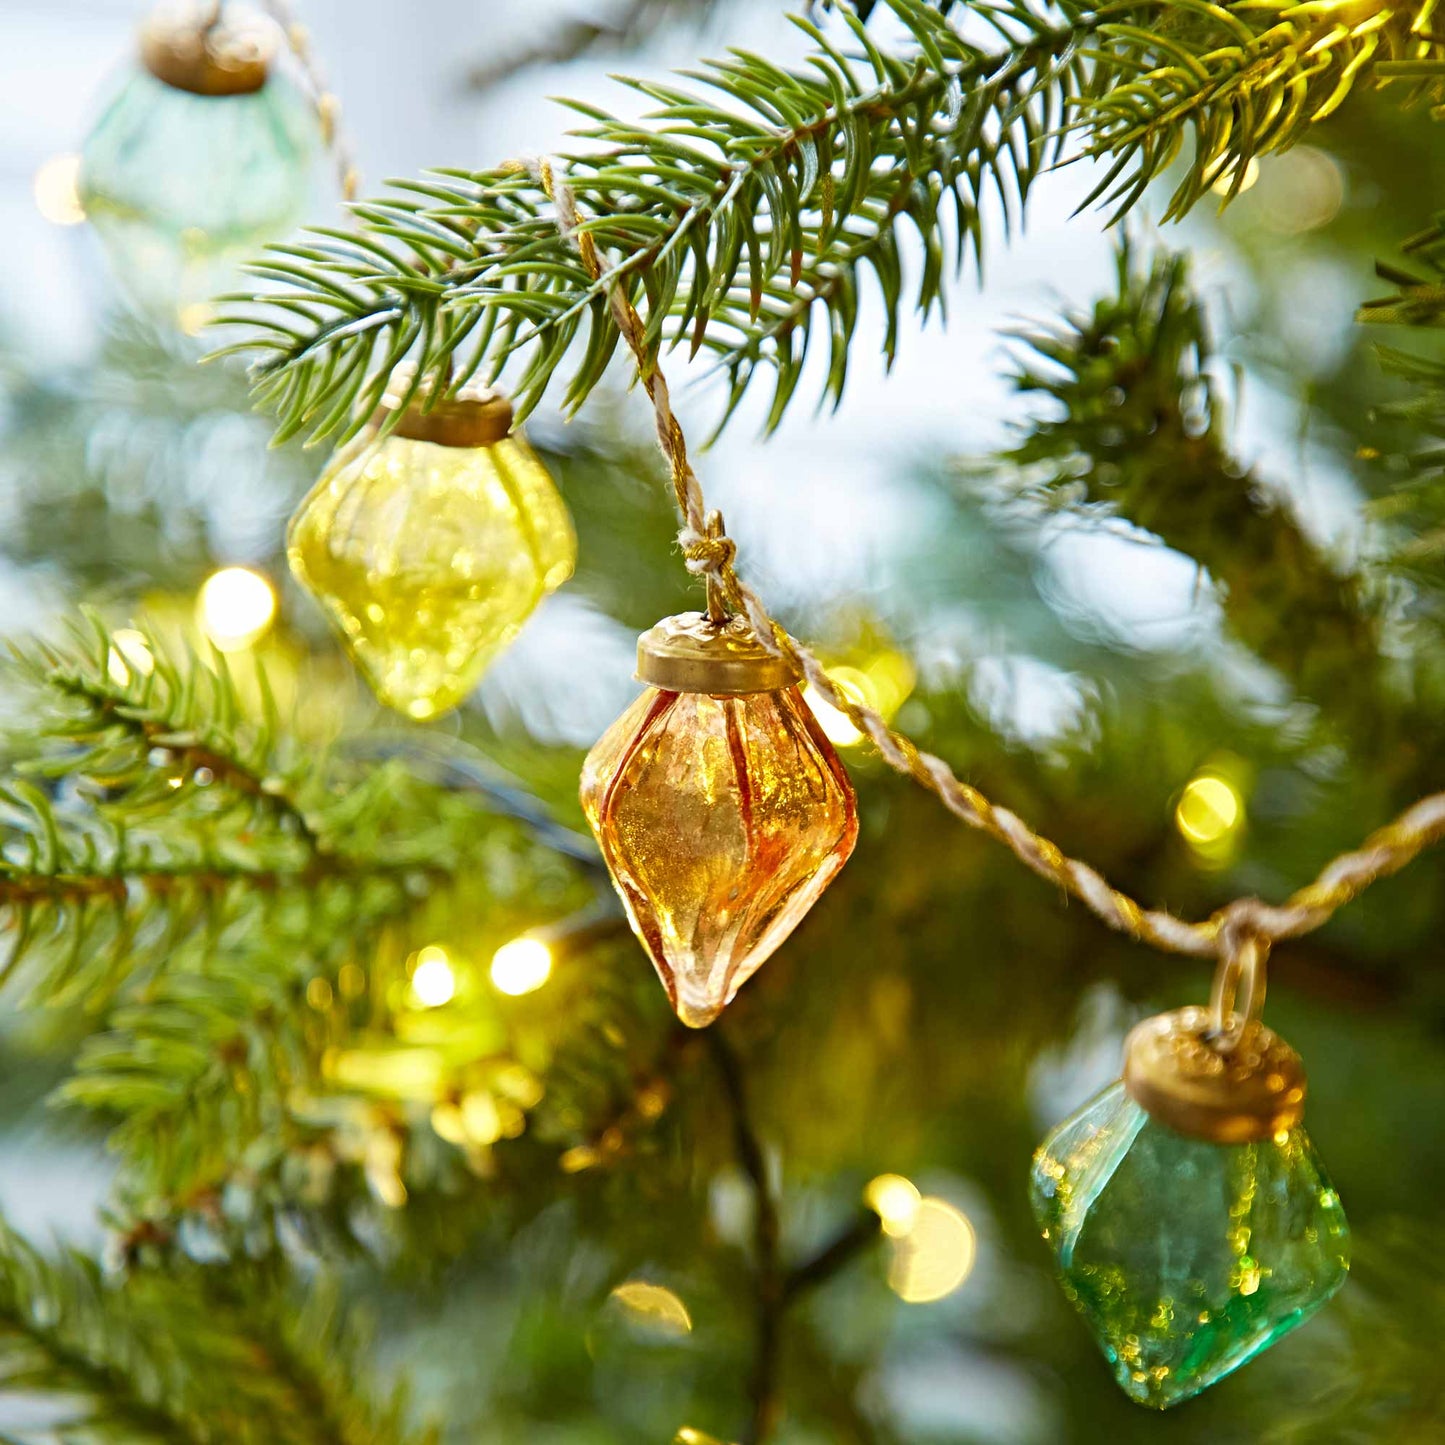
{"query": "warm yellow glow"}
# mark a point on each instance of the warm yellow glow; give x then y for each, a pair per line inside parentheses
(57, 192)
(895, 1200)
(319, 994)
(475, 1122)
(130, 656)
(1209, 810)
(935, 1256)
(447, 1121)
(236, 608)
(433, 980)
(194, 317)
(1224, 182)
(383, 1169)
(883, 684)
(521, 966)
(835, 723)
(653, 1305)
(481, 1118)
(688, 1436)
(395, 1073)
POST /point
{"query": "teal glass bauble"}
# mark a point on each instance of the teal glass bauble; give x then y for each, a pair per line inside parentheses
(183, 182)
(1186, 1258)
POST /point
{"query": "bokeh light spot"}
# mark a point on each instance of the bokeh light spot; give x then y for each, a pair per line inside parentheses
(653, 1305)
(236, 607)
(57, 191)
(130, 656)
(1209, 810)
(895, 1200)
(1224, 182)
(521, 966)
(935, 1256)
(433, 980)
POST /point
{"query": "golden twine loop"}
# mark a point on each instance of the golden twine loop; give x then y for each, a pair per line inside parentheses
(1237, 999)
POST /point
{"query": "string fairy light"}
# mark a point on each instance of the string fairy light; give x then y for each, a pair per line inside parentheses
(711, 555)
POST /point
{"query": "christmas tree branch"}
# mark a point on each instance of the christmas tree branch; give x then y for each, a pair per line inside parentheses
(192, 1358)
(768, 1276)
(729, 221)
(1140, 434)
(776, 1286)
(160, 810)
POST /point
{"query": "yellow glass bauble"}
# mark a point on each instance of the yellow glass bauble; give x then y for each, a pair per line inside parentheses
(430, 547)
(721, 809)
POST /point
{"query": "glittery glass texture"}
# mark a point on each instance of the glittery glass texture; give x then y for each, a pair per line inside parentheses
(429, 559)
(181, 187)
(1185, 1258)
(722, 820)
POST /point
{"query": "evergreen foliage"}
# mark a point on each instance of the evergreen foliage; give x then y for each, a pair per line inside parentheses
(217, 897)
(745, 223)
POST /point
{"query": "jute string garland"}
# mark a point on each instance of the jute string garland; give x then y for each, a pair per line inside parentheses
(713, 556)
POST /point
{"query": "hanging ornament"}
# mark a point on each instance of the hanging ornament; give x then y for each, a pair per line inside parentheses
(1191, 1220)
(720, 806)
(431, 546)
(202, 157)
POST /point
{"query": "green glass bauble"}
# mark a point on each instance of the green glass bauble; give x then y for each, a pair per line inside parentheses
(1186, 1258)
(180, 185)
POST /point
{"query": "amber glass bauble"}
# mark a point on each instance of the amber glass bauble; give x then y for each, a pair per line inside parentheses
(722, 814)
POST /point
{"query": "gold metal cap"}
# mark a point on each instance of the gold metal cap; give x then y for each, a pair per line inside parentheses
(691, 653)
(475, 417)
(182, 47)
(1177, 1069)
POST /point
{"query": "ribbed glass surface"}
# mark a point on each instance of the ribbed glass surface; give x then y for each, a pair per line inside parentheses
(722, 820)
(430, 558)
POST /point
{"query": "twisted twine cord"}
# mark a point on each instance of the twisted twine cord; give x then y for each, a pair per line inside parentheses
(323, 99)
(1224, 933)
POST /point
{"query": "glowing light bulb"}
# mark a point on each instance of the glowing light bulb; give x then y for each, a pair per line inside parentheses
(129, 656)
(236, 608)
(1209, 810)
(653, 1305)
(57, 192)
(521, 966)
(433, 981)
(935, 1256)
(895, 1200)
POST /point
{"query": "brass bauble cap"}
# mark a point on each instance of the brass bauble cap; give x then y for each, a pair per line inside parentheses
(475, 417)
(181, 47)
(1177, 1071)
(691, 653)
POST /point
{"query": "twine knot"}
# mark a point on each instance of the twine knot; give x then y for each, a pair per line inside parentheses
(707, 555)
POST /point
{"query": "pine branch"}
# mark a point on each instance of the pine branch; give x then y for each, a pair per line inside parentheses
(1141, 434)
(1415, 463)
(1240, 81)
(195, 1358)
(158, 816)
(734, 223)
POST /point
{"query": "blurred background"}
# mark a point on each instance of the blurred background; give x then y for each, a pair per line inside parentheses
(1173, 681)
